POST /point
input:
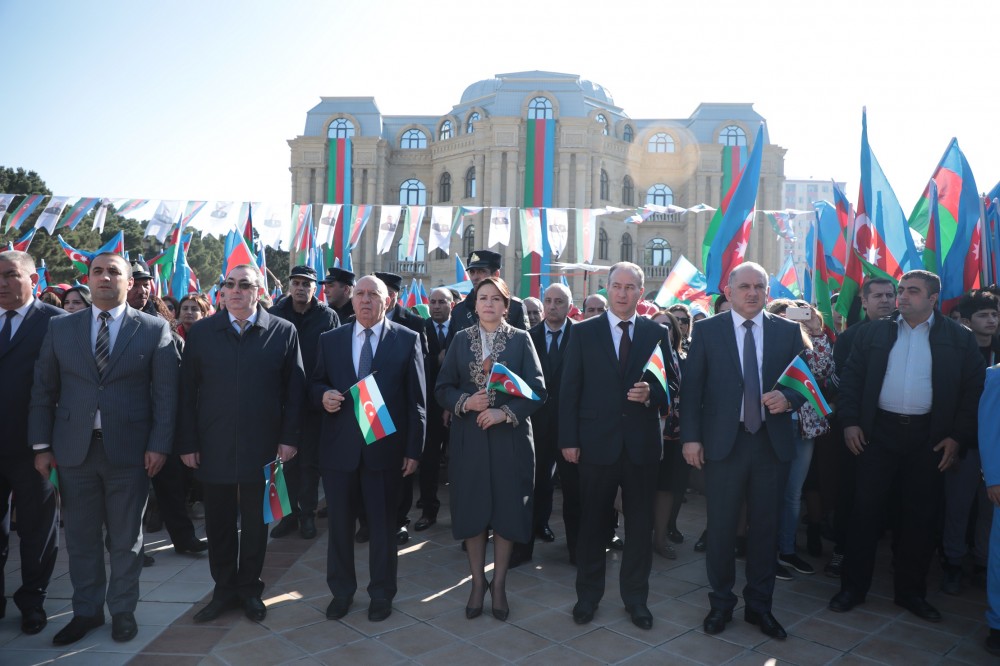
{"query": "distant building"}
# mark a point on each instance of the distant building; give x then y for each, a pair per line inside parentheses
(800, 195)
(477, 154)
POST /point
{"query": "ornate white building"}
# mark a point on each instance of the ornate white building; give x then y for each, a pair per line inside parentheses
(477, 154)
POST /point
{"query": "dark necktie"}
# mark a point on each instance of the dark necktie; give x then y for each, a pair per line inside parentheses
(751, 381)
(102, 350)
(624, 347)
(365, 362)
(242, 323)
(5, 334)
(441, 337)
(554, 354)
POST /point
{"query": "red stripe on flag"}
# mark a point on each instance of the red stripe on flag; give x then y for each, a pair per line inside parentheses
(539, 159)
(370, 412)
(799, 376)
(341, 159)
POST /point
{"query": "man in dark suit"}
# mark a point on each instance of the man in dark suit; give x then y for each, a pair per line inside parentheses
(337, 288)
(248, 362)
(908, 402)
(550, 337)
(436, 329)
(609, 424)
(483, 264)
(103, 406)
(24, 321)
(745, 452)
(350, 468)
(311, 319)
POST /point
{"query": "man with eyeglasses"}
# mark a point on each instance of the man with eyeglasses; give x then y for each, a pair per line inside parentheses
(247, 361)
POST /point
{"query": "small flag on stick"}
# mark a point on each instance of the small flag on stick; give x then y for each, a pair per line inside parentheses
(504, 380)
(276, 504)
(798, 377)
(370, 410)
(657, 366)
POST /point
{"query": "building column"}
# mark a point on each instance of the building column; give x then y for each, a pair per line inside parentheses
(510, 198)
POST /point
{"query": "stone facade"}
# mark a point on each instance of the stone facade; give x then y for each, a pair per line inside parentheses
(599, 149)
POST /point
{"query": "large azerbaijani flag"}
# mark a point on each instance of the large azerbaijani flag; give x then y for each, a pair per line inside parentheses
(370, 410)
(734, 160)
(685, 284)
(276, 502)
(539, 179)
(729, 233)
(505, 380)
(338, 191)
(798, 377)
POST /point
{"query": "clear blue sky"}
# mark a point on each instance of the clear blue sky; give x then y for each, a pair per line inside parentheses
(196, 99)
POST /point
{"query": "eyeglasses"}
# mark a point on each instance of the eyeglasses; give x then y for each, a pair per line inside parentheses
(243, 285)
(684, 320)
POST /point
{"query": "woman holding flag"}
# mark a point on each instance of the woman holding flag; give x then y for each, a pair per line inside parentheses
(491, 381)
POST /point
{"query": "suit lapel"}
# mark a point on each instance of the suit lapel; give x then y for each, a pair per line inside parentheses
(31, 319)
(729, 340)
(384, 350)
(83, 327)
(769, 369)
(643, 339)
(128, 329)
(606, 341)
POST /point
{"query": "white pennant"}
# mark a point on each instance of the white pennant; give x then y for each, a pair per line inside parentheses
(388, 221)
(440, 236)
(499, 227)
(327, 224)
(557, 223)
(50, 216)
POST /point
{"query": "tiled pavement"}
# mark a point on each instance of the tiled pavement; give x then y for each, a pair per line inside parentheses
(428, 625)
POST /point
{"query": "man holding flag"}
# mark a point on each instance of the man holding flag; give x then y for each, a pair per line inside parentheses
(370, 439)
(242, 395)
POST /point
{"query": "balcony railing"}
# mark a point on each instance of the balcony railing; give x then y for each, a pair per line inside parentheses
(656, 271)
(665, 217)
(406, 268)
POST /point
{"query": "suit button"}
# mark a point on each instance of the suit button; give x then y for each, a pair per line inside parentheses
(100, 388)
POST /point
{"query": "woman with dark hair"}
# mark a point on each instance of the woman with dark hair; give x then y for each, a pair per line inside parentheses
(171, 304)
(492, 458)
(192, 308)
(77, 298)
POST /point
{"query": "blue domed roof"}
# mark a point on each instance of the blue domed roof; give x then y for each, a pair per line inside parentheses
(596, 91)
(480, 89)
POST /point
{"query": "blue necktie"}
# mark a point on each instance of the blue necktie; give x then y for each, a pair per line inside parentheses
(365, 362)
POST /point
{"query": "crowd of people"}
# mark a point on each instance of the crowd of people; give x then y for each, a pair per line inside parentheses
(117, 405)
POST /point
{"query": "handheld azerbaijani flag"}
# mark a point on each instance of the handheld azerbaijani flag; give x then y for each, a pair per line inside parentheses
(657, 366)
(276, 503)
(798, 377)
(370, 410)
(504, 380)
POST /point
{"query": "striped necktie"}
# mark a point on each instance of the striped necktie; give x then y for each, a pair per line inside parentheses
(102, 350)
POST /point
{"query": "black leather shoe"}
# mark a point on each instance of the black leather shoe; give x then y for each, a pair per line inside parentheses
(674, 535)
(147, 560)
(715, 621)
(254, 609)
(844, 601)
(362, 535)
(307, 527)
(322, 512)
(214, 609)
(641, 617)
(546, 535)
(191, 545)
(77, 629)
(285, 526)
(123, 627)
(701, 544)
(768, 625)
(338, 607)
(33, 620)
(379, 609)
(424, 522)
(583, 612)
(402, 536)
(616, 543)
(919, 607)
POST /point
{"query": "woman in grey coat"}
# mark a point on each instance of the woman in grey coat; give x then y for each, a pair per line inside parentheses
(492, 458)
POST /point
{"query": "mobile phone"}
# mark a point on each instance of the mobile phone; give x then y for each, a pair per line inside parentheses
(798, 314)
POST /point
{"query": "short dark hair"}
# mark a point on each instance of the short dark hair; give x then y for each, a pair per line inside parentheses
(719, 302)
(976, 300)
(84, 292)
(866, 287)
(128, 267)
(932, 281)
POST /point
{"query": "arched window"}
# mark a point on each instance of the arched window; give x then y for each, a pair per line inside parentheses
(469, 241)
(540, 108)
(657, 253)
(733, 135)
(661, 142)
(605, 185)
(659, 195)
(412, 193)
(628, 192)
(420, 254)
(601, 118)
(628, 134)
(341, 128)
(602, 245)
(470, 183)
(446, 131)
(413, 139)
(626, 253)
(469, 124)
(444, 187)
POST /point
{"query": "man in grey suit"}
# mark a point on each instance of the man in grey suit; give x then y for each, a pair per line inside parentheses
(745, 452)
(103, 407)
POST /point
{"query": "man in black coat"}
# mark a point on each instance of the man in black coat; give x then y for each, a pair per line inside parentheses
(483, 264)
(908, 402)
(242, 394)
(311, 319)
(337, 288)
(24, 321)
(609, 424)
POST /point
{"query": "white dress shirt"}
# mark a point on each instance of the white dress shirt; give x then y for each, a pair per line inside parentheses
(252, 319)
(549, 334)
(114, 325)
(906, 388)
(758, 341)
(15, 323)
(358, 341)
(616, 332)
